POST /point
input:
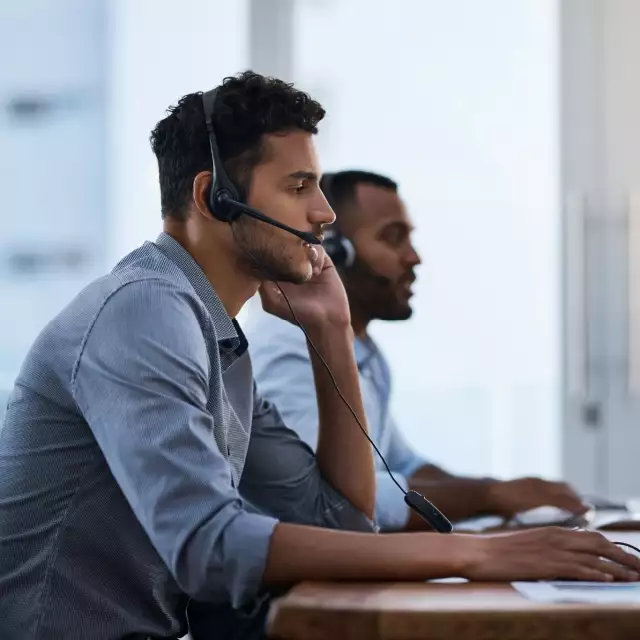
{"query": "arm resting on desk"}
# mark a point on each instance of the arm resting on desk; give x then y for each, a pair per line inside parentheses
(460, 498)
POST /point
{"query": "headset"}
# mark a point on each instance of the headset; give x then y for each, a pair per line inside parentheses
(338, 248)
(227, 202)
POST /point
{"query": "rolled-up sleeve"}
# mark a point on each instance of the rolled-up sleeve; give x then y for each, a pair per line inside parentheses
(282, 478)
(141, 382)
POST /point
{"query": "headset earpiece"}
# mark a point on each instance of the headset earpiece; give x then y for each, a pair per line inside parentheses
(338, 248)
(219, 205)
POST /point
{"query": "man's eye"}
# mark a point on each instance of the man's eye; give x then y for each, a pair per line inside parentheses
(299, 188)
(394, 237)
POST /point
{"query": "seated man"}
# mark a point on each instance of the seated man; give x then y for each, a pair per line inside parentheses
(134, 436)
(376, 260)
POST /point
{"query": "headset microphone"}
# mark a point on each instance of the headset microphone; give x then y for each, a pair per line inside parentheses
(242, 208)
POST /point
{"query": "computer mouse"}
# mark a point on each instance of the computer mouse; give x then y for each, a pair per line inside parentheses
(548, 516)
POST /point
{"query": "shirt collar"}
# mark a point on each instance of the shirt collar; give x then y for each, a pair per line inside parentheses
(364, 349)
(228, 332)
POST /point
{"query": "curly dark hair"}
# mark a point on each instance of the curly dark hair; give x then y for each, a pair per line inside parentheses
(248, 106)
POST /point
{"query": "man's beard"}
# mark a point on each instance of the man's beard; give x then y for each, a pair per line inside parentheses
(374, 294)
(264, 252)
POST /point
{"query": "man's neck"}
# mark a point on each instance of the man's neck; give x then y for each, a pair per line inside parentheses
(359, 321)
(233, 286)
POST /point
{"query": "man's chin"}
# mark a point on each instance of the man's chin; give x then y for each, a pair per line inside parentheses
(397, 312)
(293, 276)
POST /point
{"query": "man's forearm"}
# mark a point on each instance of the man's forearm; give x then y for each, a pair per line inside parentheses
(343, 453)
(457, 497)
(300, 553)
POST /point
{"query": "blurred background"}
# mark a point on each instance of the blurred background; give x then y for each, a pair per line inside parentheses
(511, 128)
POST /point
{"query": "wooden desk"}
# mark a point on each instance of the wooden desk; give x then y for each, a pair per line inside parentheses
(437, 611)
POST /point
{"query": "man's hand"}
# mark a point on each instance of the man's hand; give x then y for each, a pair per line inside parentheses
(550, 553)
(320, 301)
(509, 498)
(343, 453)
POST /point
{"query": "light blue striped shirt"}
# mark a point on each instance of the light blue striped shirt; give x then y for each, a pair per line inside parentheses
(132, 439)
(283, 372)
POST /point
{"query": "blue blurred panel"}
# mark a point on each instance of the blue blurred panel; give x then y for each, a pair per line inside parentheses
(52, 162)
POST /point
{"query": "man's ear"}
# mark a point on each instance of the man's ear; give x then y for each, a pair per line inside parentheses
(200, 193)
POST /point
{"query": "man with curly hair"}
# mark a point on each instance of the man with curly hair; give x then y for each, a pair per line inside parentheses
(145, 486)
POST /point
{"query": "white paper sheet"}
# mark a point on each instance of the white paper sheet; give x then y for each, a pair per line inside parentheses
(590, 592)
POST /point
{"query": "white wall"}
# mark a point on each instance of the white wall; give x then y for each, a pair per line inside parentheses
(159, 51)
(457, 100)
(601, 154)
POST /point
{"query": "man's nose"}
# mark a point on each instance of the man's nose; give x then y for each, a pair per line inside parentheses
(322, 215)
(413, 257)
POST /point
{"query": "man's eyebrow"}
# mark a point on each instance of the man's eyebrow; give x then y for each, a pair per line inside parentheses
(304, 175)
(398, 224)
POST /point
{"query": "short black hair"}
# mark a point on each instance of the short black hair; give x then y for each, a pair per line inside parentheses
(340, 187)
(248, 106)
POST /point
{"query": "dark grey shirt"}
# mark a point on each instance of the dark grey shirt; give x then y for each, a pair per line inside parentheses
(132, 439)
